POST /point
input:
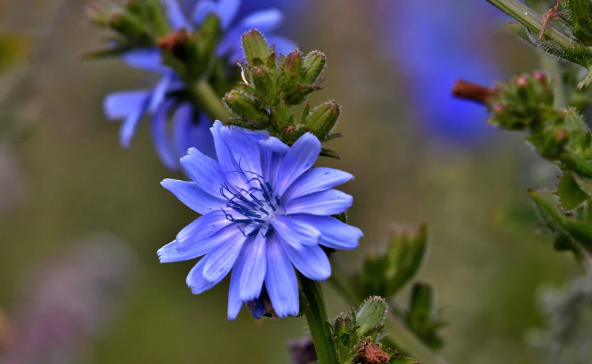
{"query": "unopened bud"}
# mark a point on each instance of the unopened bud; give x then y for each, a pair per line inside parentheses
(255, 46)
(264, 82)
(174, 42)
(314, 65)
(246, 107)
(521, 81)
(293, 65)
(323, 118)
(472, 91)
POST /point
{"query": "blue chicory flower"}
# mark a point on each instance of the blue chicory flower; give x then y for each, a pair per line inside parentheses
(190, 125)
(265, 212)
(434, 50)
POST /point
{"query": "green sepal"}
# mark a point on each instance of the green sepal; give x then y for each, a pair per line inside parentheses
(569, 192)
(328, 152)
(399, 359)
(579, 232)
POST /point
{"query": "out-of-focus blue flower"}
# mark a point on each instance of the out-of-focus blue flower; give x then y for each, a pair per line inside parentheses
(265, 211)
(435, 46)
(190, 126)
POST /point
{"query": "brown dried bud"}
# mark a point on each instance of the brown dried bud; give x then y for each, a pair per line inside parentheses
(372, 354)
(174, 41)
(472, 91)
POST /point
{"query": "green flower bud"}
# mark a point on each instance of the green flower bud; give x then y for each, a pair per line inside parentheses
(314, 65)
(292, 67)
(265, 84)
(256, 49)
(322, 119)
(245, 107)
(371, 315)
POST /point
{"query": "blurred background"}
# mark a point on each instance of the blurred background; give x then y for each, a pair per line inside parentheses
(418, 156)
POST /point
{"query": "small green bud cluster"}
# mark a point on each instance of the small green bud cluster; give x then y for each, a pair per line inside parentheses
(272, 84)
(524, 100)
(357, 336)
(561, 136)
(386, 274)
(526, 103)
(135, 24)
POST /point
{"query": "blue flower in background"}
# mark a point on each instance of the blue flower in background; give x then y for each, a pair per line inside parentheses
(434, 50)
(190, 126)
(265, 212)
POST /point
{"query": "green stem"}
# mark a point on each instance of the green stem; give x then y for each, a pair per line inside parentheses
(316, 316)
(399, 336)
(207, 99)
(533, 21)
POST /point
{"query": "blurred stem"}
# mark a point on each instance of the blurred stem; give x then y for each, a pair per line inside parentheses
(532, 20)
(316, 316)
(206, 98)
(399, 336)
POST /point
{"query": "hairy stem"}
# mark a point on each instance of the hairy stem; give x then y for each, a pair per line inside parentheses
(205, 96)
(533, 21)
(399, 336)
(316, 316)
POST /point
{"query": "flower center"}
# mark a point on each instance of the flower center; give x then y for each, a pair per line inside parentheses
(256, 207)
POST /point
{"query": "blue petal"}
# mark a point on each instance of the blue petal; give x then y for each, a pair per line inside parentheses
(280, 280)
(334, 233)
(119, 105)
(311, 261)
(204, 171)
(255, 265)
(227, 10)
(226, 235)
(161, 138)
(202, 138)
(223, 258)
(175, 15)
(183, 125)
(230, 168)
(283, 45)
(230, 43)
(265, 21)
(131, 123)
(195, 279)
(202, 10)
(169, 253)
(328, 202)
(203, 227)
(234, 301)
(193, 197)
(298, 160)
(316, 180)
(244, 149)
(147, 59)
(270, 163)
(294, 232)
(160, 91)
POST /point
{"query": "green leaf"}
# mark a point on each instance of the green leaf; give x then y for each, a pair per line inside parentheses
(579, 232)
(569, 192)
(420, 317)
